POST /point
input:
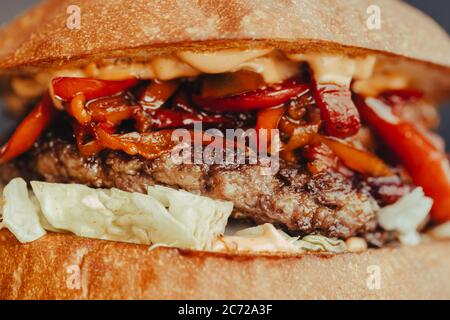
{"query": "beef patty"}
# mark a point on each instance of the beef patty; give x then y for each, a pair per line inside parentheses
(294, 199)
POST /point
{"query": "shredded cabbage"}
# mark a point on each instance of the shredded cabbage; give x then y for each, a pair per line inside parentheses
(201, 217)
(20, 215)
(164, 217)
(266, 238)
(321, 243)
(406, 215)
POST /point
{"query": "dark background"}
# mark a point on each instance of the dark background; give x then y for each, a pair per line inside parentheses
(438, 9)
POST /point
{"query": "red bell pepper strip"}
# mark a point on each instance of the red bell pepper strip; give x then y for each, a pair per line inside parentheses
(268, 120)
(167, 118)
(29, 130)
(339, 114)
(401, 96)
(153, 114)
(76, 108)
(112, 110)
(263, 98)
(66, 88)
(301, 136)
(320, 157)
(149, 145)
(86, 148)
(157, 93)
(358, 160)
(427, 165)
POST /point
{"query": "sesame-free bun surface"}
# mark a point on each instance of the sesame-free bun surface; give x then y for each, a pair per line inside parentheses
(62, 266)
(141, 28)
(408, 42)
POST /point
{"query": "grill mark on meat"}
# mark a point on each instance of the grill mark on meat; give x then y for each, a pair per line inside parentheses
(326, 203)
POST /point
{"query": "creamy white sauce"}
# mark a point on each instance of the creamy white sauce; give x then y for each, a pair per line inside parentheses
(219, 61)
(377, 83)
(265, 238)
(329, 69)
(337, 69)
(168, 68)
(120, 71)
(273, 66)
(364, 67)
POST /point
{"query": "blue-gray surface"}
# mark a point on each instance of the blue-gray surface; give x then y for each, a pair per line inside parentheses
(438, 9)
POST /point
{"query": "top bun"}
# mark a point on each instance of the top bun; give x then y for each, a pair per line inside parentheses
(140, 29)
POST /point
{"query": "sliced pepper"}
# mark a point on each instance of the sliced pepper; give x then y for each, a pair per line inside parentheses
(157, 93)
(339, 114)
(167, 118)
(112, 110)
(149, 145)
(358, 160)
(77, 109)
(29, 130)
(263, 98)
(267, 121)
(153, 115)
(86, 148)
(426, 163)
(301, 136)
(400, 96)
(66, 88)
(321, 158)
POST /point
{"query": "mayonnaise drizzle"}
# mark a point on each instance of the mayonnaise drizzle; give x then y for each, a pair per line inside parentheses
(265, 238)
(273, 65)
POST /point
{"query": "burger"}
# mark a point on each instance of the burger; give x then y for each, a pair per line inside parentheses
(224, 150)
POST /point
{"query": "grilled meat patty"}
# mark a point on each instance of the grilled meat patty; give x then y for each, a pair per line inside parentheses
(326, 203)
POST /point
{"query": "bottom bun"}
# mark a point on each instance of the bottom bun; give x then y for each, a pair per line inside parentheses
(67, 267)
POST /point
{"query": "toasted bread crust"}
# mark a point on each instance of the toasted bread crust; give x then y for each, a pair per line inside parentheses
(48, 269)
(141, 28)
(409, 42)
